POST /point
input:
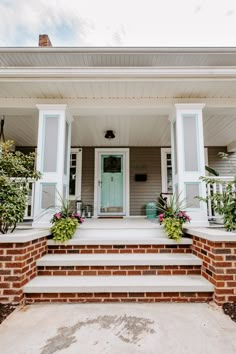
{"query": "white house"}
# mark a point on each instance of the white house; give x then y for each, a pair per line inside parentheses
(112, 125)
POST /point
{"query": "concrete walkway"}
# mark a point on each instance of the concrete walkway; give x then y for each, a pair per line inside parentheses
(118, 329)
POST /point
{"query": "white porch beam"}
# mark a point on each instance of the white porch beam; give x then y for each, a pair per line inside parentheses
(53, 152)
(188, 160)
(103, 102)
(232, 146)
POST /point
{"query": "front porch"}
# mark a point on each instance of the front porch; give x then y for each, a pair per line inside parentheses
(149, 158)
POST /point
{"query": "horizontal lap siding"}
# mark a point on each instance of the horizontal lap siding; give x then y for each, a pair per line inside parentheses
(87, 192)
(225, 168)
(144, 161)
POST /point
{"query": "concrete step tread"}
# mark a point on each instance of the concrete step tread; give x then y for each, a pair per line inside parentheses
(123, 223)
(99, 284)
(120, 239)
(107, 259)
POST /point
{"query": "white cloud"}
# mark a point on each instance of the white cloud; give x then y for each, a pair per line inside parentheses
(119, 23)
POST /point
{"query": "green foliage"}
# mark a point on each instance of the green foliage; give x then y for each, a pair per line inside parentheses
(225, 202)
(17, 164)
(12, 203)
(15, 170)
(173, 216)
(63, 229)
(173, 228)
(211, 171)
(171, 206)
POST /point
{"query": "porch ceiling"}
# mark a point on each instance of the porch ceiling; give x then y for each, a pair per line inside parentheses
(130, 130)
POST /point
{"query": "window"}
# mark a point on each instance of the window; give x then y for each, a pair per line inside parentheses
(166, 170)
(75, 173)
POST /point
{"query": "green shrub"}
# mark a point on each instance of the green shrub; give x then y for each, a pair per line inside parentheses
(15, 170)
(63, 229)
(225, 202)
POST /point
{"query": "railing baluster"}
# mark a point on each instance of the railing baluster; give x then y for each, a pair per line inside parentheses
(209, 201)
(216, 188)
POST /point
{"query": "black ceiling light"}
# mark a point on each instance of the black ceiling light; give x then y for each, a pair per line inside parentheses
(109, 134)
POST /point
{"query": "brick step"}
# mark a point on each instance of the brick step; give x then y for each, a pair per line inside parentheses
(134, 288)
(119, 264)
(129, 245)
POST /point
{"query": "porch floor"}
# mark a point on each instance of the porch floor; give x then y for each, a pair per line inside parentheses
(123, 223)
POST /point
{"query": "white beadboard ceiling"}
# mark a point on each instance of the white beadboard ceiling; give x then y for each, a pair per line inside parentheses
(130, 130)
(116, 57)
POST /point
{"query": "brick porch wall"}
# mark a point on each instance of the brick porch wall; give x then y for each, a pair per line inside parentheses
(219, 266)
(18, 266)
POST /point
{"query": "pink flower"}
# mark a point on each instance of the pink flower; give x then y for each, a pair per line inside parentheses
(57, 215)
(161, 217)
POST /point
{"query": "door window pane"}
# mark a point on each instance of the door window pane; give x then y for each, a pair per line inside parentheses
(112, 164)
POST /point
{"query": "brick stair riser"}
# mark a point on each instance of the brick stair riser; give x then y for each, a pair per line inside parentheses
(96, 249)
(118, 297)
(119, 270)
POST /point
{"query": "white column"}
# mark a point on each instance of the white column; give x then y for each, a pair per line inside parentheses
(189, 160)
(53, 157)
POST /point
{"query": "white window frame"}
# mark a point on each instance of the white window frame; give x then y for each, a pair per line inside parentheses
(78, 178)
(164, 152)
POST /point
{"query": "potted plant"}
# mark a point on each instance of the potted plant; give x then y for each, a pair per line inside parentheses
(16, 169)
(173, 217)
(65, 223)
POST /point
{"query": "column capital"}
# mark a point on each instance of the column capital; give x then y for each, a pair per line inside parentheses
(51, 107)
(189, 106)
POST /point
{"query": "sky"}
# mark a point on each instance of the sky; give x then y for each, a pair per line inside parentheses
(120, 23)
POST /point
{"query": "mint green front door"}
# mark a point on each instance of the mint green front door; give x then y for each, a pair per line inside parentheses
(111, 184)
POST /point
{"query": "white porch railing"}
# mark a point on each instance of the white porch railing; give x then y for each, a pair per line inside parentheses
(29, 207)
(213, 188)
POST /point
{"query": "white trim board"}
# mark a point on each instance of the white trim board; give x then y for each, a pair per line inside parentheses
(78, 182)
(125, 152)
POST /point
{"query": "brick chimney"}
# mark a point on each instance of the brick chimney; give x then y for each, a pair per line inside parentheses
(44, 41)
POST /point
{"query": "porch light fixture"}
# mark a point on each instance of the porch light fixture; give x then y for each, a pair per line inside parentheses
(2, 137)
(109, 134)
